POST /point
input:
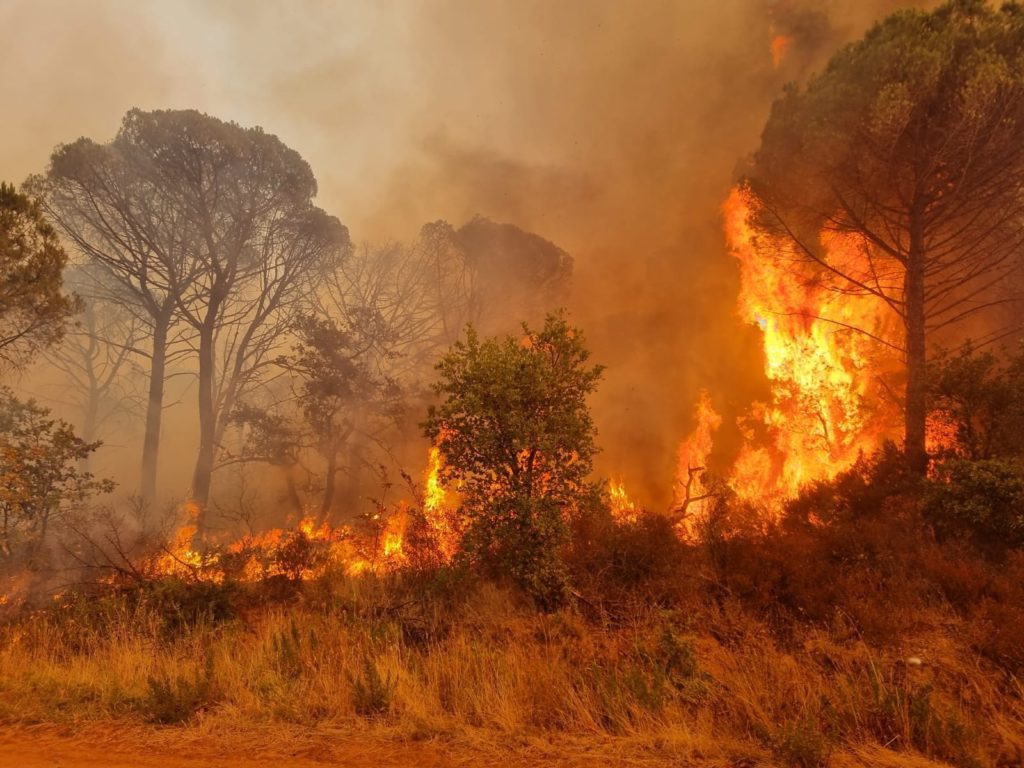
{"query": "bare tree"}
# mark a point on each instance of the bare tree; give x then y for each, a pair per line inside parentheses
(99, 362)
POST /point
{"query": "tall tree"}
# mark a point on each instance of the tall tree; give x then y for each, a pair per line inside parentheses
(341, 393)
(208, 226)
(911, 142)
(33, 307)
(110, 202)
(514, 273)
(258, 250)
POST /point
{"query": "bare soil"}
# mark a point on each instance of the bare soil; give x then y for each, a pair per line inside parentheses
(115, 746)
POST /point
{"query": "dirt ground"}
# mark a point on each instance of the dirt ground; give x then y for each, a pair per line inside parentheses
(112, 746)
(130, 746)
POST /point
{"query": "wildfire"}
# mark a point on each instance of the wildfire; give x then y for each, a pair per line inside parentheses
(309, 548)
(392, 540)
(779, 46)
(180, 556)
(690, 491)
(827, 402)
(436, 509)
(827, 405)
(624, 509)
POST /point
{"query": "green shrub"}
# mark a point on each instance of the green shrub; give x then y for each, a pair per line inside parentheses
(174, 699)
(981, 499)
(801, 744)
(372, 693)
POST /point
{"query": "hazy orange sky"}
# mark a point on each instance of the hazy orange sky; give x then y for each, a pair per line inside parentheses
(613, 128)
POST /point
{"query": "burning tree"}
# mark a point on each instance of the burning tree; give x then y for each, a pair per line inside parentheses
(908, 151)
(517, 440)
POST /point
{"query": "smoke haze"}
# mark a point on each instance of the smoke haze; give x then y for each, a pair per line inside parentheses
(611, 128)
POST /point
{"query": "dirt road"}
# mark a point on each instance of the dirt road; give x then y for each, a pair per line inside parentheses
(112, 746)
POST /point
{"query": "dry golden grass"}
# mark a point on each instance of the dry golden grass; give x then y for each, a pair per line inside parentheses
(714, 687)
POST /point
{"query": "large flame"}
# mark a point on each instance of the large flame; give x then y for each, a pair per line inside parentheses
(690, 491)
(821, 352)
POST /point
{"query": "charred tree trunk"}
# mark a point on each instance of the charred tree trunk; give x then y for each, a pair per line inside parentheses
(203, 474)
(355, 475)
(330, 485)
(916, 406)
(293, 490)
(154, 408)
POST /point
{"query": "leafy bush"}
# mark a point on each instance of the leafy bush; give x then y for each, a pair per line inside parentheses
(619, 565)
(516, 435)
(181, 606)
(865, 489)
(40, 475)
(981, 395)
(982, 499)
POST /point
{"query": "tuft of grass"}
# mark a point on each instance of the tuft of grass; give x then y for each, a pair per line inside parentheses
(175, 697)
(372, 692)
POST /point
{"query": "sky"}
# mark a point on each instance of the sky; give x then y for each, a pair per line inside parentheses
(613, 128)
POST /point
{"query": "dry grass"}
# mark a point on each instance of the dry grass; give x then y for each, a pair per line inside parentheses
(714, 686)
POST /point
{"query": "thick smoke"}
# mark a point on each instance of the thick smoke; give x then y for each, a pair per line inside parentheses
(612, 129)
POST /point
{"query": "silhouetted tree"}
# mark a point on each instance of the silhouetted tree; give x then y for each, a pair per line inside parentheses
(514, 273)
(99, 360)
(33, 307)
(208, 223)
(110, 201)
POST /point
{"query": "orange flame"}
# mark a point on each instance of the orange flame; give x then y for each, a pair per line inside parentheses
(624, 509)
(690, 490)
(779, 47)
(435, 507)
(827, 405)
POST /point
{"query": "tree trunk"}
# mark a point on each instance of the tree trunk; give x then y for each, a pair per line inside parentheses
(292, 489)
(916, 406)
(203, 473)
(89, 419)
(154, 409)
(330, 483)
(355, 475)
